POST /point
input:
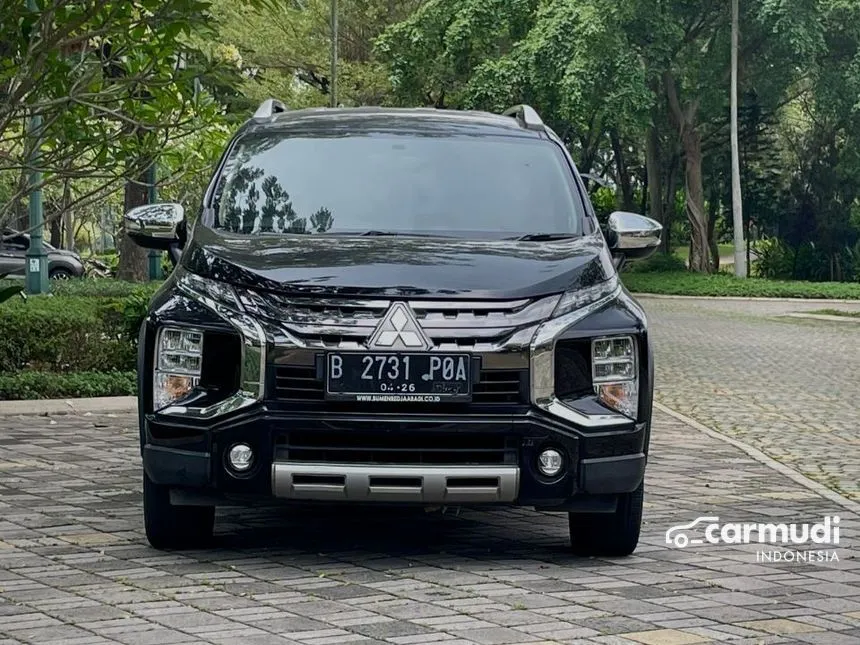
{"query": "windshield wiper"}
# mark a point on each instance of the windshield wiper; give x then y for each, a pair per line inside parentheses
(376, 233)
(541, 237)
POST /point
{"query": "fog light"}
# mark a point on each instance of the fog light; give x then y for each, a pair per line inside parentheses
(240, 457)
(550, 462)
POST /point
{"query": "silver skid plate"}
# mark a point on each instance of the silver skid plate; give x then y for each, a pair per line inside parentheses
(383, 483)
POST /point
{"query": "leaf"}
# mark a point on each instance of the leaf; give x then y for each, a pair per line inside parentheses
(10, 292)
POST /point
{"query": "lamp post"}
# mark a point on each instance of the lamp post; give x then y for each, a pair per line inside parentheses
(37, 259)
(737, 203)
(333, 84)
(154, 256)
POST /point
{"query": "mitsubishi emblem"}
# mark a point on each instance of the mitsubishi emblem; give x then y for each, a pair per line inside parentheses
(399, 330)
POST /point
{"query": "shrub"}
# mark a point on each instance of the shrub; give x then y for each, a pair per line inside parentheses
(724, 284)
(51, 385)
(774, 259)
(103, 288)
(127, 315)
(63, 334)
(657, 263)
(95, 287)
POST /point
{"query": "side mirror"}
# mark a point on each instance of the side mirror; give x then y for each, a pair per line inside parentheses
(633, 236)
(155, 226)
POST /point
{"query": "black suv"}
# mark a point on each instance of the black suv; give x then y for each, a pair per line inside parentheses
(404, 306)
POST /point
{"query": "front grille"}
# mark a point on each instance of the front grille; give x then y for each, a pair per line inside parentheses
(297, 383)
(405, 448)
(347, 323)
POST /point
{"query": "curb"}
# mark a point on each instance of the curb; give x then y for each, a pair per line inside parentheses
(771, 463)
(98, 405)
(666, 296)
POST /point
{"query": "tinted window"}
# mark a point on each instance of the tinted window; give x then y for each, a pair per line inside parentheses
(15, 244)
(454, 185)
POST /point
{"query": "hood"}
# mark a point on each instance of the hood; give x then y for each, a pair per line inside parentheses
(398, 266)
(62, 253)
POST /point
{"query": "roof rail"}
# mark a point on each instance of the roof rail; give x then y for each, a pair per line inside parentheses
(268, 108)
(526, 115)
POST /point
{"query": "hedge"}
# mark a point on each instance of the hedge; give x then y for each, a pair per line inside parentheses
(65, 334)
(71, 345)
(51, 385)
(95, 287)
(685, 283)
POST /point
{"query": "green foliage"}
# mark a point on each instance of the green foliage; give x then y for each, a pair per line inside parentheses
(724, 284)
(10, 290)
(104, 79)
(51, 385)
(127, 314)
(603, 200)
(62, 334)
(777, 259)
(282, 49)
(94, 287)
(604, 74)
(80, 343)
(657, 263)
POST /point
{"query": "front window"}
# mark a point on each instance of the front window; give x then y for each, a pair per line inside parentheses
(467, 186)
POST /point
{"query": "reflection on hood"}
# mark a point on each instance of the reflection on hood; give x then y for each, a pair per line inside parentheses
(493, 269)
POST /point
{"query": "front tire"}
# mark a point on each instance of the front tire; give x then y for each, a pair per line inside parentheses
(60, 274)
(609, 534)
(170, 527)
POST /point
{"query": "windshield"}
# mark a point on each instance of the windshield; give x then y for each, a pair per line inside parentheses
(467, 186)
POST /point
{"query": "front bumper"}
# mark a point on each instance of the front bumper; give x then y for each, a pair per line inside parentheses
(192, 456)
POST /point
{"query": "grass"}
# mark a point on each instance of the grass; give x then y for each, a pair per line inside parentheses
(837, 312)
(684, 283)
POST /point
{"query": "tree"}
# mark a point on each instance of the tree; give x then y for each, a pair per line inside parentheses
(603, 73)
(283, 48)
(84, 67)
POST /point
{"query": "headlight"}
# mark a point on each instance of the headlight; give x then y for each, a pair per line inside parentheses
(212, 290)
(614, 373)
(178, 363)
(579, 298)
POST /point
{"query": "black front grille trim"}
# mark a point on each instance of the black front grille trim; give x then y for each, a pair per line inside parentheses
(405, 448)
(301, 384)
(573, 369)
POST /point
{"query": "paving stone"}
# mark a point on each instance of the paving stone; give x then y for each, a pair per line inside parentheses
(781, 626)
(75, 567)
(735, 366)
(666, 637)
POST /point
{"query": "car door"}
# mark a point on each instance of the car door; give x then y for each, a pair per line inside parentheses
(13, 256)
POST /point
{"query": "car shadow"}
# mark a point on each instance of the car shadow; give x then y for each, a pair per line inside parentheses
(394, 531)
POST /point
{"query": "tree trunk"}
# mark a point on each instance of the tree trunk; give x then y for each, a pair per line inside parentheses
(56, 233)
(68, 220)
(669, 211)
(684, 119)
(653, 172)
(627, 203)
(132, 258)
(713, 212)
(695, 203)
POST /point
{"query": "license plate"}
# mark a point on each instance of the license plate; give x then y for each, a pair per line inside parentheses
(381, 377)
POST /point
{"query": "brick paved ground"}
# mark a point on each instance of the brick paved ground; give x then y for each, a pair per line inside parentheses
(75, 569)
(787, 386)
